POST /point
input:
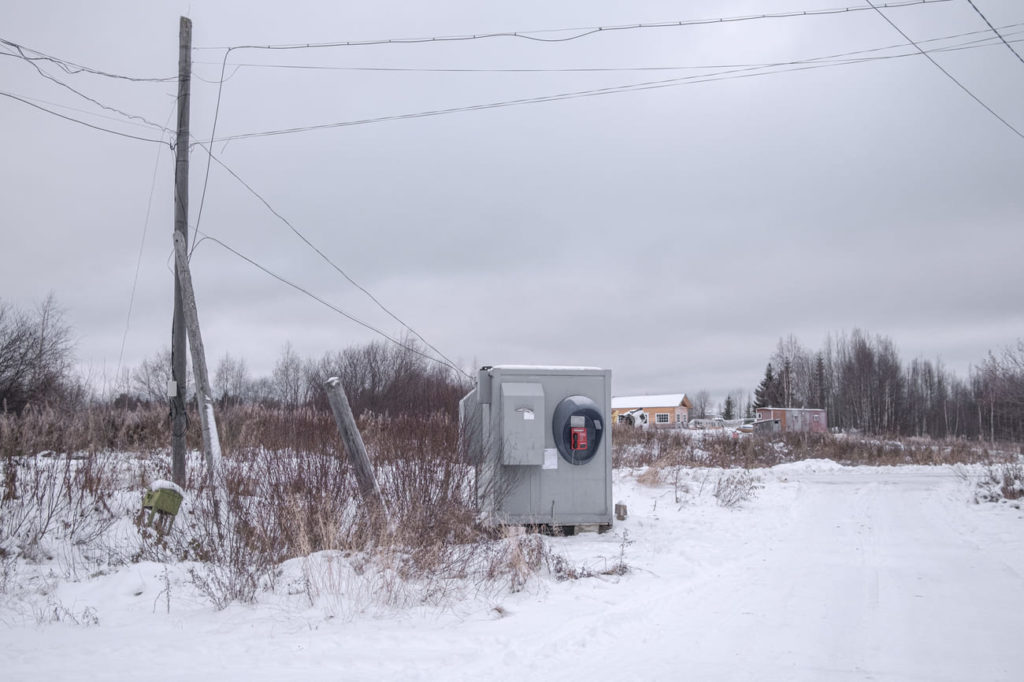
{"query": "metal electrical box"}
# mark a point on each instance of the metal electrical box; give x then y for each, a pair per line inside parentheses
(540, 438)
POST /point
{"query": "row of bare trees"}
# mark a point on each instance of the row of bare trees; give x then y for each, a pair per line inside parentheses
(378, 377)
(37, 368)
(862, 382)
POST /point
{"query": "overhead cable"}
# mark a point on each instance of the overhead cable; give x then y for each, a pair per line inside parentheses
(138, 262)
(951, 77)
(79, 121)
(611, 69)
(412, 349)
(1000, 35)
(580, 32)
(64, 85)
(324, 256)
(729, 74)
(72, 68)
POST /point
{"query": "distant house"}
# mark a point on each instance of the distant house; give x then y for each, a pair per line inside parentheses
(811, 420)
(663, 411)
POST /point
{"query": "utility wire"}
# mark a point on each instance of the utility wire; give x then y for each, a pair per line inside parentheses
(213, 133)
(138, 262)
(412, 349)
(582, 32)
(324, 256)
(39, 69)
(72, 68)
(80, 122)
(985, 19)
(595, 69)
(729, 74)
(947, 73)
(92, 114)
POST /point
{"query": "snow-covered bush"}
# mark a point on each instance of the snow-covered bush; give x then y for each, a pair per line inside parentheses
(1000, 482)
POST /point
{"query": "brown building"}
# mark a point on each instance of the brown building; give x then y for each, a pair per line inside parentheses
(807, 419)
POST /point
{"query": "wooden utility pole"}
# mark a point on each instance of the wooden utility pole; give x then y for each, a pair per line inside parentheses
(204, 396)
(354, 445)
(176, 393)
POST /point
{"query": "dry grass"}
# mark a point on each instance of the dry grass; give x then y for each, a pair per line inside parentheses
(290, 494)
(659, 449)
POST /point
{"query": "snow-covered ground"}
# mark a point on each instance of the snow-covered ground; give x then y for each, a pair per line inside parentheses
(827, 573)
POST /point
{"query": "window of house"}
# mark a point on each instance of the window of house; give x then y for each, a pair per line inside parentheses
(817, 418)
(661, 417)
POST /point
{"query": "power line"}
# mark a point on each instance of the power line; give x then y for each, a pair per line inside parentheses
(985, 19)
(202, 202)
(947, 73)
(138, 262)
(581, 32)
(445, 363)
(41, 72)
(72, 68)
(213, 133)
(324, 256)
(80, 122)
(595, 69)
(730, 74)
(93, 114)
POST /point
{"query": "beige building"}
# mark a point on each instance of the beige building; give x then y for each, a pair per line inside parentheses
(671, 410)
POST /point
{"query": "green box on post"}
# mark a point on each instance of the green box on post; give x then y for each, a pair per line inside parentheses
(162, 500)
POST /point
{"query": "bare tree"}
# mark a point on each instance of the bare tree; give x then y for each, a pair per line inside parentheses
(150, 379)
(701, 403)
(36, 355)
(232, 382)
(795, 372)
(288, 378)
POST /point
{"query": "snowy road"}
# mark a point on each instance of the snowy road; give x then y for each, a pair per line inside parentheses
(835, 574)
(855, 575)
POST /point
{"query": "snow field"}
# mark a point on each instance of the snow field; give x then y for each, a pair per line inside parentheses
(826, 573)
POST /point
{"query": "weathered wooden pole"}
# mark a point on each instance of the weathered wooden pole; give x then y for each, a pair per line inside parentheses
(177, 392)
(354, 446)
(204, 396)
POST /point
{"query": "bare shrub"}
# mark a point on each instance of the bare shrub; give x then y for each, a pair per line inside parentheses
(56, 612)
(291, 502)
(637, 447)
(735, 487)
(50, 499)
(619, 566)
(723, 449)
(517, 557)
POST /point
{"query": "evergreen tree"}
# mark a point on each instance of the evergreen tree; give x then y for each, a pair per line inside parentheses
(770, 392)
(819, 382)
(729, 408)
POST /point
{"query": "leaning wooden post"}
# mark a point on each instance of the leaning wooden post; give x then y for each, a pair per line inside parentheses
(354, 445)
(204, 395)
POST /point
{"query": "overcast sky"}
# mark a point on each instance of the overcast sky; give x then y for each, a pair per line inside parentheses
(672, 234)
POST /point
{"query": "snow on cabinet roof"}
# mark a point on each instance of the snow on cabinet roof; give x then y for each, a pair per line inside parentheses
(663, 400)
(161, 484)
